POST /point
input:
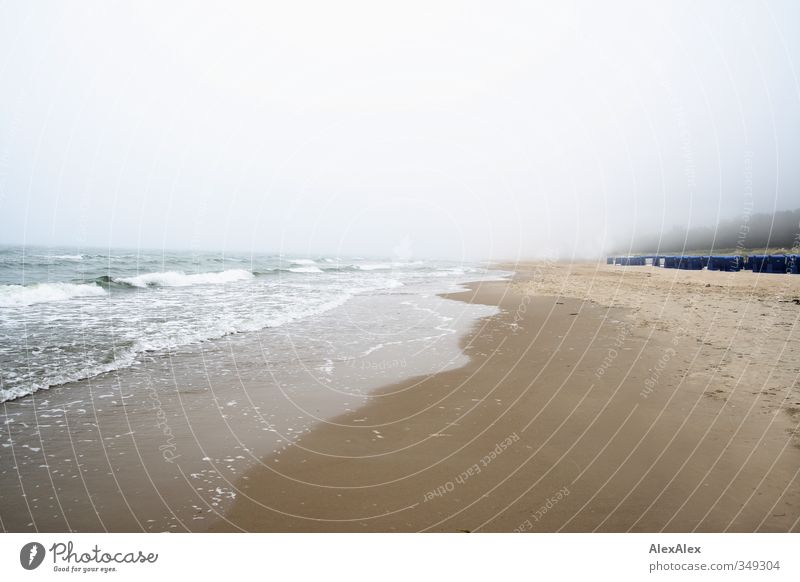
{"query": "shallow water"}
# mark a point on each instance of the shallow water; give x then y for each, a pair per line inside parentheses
(67, 315)
(186, 382)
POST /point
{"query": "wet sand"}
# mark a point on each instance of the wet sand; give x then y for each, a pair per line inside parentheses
(159, 446)
(600, 399)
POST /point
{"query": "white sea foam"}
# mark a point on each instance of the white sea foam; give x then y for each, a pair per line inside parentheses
(373, 267)
(19, 295)
(180, 279)
(303, 262)
(391, 283)
(175, 338)
(377, 285)
(64, 257)
(305, 270)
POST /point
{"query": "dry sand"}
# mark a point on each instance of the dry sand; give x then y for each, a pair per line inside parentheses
(601, 399)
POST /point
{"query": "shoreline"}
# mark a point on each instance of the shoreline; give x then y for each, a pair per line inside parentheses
(159, 446)
(542, 430)
(597, 399)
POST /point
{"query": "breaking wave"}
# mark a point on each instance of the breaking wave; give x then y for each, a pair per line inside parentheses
(20, 295)
(180, 279)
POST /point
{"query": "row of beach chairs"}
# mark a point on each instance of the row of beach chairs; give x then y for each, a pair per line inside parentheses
(756, 263)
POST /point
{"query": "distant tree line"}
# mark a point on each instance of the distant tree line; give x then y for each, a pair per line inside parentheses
(756, 231)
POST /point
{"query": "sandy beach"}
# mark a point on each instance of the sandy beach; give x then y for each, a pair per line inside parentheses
(601, 398)
(596, 398)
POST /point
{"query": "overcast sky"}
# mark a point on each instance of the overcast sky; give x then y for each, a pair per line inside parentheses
(455, 129)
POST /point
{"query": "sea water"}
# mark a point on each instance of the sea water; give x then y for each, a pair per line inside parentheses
(139, 387)
(70, 314)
